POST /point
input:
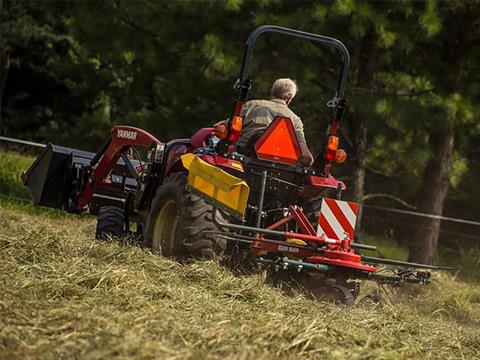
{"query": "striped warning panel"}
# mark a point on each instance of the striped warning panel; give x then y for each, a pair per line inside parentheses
(337, 219)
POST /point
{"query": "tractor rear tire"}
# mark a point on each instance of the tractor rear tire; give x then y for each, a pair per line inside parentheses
(180, 223)
(110, 222)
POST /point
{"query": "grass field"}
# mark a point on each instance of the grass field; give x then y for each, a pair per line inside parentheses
(65, 295)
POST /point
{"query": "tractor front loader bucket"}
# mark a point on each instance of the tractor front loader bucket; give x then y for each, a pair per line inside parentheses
(50, 178)
(58, 174)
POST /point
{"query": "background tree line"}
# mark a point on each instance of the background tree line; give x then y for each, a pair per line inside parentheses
(71, 70)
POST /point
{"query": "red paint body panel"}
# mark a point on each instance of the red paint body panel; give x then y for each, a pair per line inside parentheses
(260, 247)
(324, 182)
(228, 163)
(198, 139)
(314, 185)
(174, 163)
(122, 138)
(341, 258)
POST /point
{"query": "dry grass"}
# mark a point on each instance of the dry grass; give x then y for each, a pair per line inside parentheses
(65, 295)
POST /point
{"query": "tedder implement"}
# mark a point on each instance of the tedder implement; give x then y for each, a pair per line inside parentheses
(203, 197)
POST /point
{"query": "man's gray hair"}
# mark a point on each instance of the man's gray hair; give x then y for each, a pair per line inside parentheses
(283, 88)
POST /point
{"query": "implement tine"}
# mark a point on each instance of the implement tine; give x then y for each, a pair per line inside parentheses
(375, 260)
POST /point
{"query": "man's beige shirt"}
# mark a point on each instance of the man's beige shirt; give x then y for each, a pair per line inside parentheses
(258, 114)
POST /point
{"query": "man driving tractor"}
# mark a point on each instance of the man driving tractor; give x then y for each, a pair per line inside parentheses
(258, 114)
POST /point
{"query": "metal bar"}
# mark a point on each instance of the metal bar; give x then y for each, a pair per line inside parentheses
(320, 267)
(129, 166)
(278, 233)
(100, 153)
(375, 260)
(280, 222)
(20, 141)
(363, 246)
(108, 197)
(263, 184)
(431, 216)
(252, 239)
(384, 279)
(302, 220)
(342, 83)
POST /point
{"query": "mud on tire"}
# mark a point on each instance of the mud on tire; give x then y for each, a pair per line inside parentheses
(110, 222)
(179, 222)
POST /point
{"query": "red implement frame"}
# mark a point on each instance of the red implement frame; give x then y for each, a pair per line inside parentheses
(335, 252)
(122, 138)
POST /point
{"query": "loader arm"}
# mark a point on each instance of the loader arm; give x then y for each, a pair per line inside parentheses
(122, 138)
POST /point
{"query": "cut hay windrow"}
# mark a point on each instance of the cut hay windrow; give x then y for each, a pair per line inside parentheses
(64, 294)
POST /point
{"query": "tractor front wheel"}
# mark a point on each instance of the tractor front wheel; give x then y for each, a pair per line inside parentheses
(180, 224)
(110, 222)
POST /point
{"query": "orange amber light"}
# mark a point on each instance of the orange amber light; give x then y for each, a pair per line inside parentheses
(332, 143)
(237, 123)
(340, 156)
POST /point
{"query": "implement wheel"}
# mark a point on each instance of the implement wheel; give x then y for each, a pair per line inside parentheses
(335, 291)
(180, 223)
(335, 294)
(110, 222)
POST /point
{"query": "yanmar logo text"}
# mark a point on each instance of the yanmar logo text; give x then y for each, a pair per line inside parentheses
(126, 134)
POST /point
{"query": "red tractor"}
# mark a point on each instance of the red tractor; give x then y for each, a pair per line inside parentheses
(198, 197)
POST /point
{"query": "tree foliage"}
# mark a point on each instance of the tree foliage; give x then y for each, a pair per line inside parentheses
(77, 68)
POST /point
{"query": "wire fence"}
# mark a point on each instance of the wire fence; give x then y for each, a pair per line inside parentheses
(392, 224)
(15, 141)
(457, 239)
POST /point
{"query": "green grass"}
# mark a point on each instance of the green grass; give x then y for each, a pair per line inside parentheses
(11, 167)
(385, 248)
(64, 294)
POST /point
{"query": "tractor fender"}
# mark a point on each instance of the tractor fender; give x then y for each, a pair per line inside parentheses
(198, 139)
(179, 147)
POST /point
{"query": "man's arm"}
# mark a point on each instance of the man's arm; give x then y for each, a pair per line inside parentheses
(306, 157)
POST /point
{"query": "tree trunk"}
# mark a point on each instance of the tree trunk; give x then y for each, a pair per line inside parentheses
(435, 182)
(4, 58)
(358, 129)
(431, 197)
(4, 66)
(358, 132)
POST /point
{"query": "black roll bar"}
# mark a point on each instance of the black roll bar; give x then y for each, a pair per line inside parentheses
(247, 58)
(244, 83)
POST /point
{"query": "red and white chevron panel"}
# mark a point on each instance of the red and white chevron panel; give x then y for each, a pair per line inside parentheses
(337, 219)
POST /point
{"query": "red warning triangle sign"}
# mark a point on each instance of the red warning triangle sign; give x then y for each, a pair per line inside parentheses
(279, 142)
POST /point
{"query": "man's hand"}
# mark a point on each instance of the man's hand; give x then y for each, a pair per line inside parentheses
(306, 157)
(221, 122)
